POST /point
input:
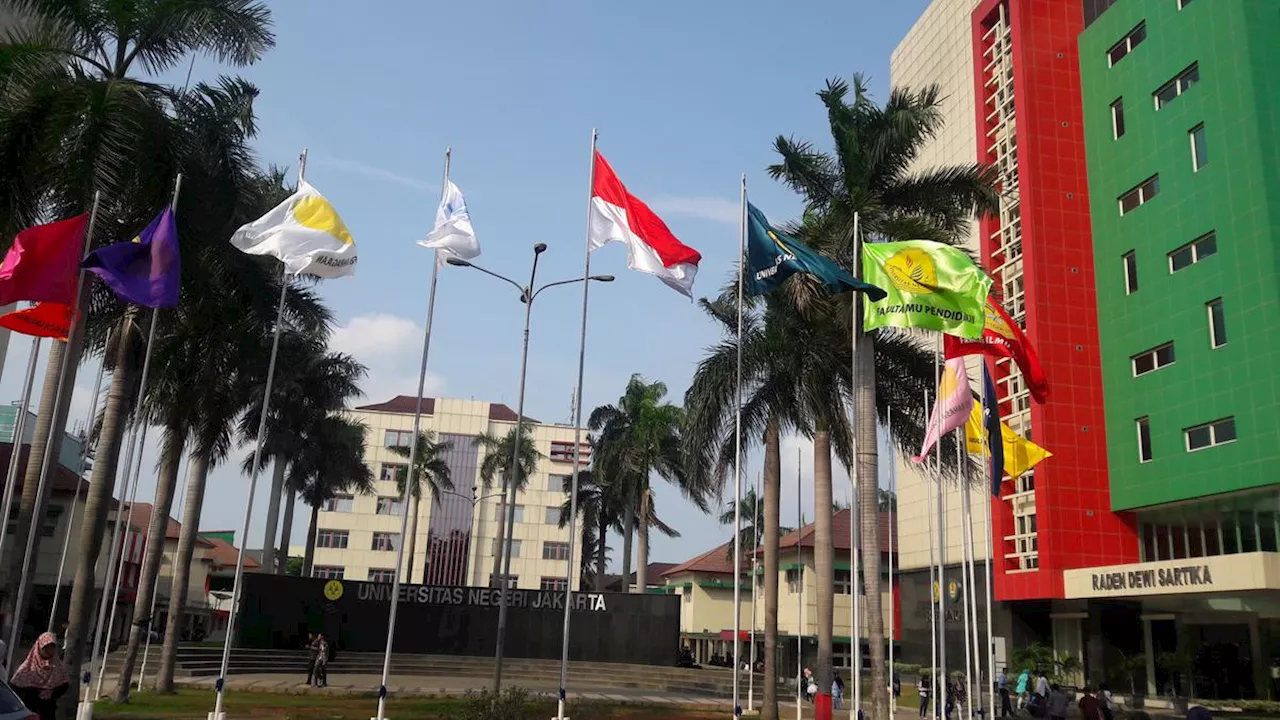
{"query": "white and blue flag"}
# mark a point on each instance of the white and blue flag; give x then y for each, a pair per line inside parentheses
(452, 234)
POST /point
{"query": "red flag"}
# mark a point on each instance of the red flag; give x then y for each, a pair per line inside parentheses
(1003, 338)
(44, 263)
(44, 320)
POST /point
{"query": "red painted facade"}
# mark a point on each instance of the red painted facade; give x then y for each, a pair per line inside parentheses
(1075, 525)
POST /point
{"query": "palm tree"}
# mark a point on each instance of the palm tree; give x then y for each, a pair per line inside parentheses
(497, 463)
(638, 436)
(598, 513)
(429, 469)
(332, 464)
(869, 182)
(310, 382)
(751, 510)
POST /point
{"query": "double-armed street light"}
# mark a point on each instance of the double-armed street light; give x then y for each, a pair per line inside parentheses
(528, 294)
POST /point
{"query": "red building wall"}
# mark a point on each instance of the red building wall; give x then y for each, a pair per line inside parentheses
(1076, 527)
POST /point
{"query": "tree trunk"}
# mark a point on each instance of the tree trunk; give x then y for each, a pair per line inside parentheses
(868, 494)
(772, 518)
(824, 556)
(197, 475)
(642, 549)
(412, 541)
(601, 553)
(97, 504)
(309, 553)
(498, 546)
(628, 527)
(279, 465)
(50, 424)
(286, 531)
(166, 484)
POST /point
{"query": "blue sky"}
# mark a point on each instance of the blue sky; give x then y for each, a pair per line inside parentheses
(686, 96)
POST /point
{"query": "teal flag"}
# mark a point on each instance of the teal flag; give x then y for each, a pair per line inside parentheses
(774, 256)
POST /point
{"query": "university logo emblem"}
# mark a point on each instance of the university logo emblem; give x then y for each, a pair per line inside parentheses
(333, 590)
(912, 271)
(935, 591)
(953, 591)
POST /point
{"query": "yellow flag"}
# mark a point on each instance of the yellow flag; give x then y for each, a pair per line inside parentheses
(1020, 454)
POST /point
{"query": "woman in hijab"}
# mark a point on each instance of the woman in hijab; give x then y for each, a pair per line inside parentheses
(40, 680)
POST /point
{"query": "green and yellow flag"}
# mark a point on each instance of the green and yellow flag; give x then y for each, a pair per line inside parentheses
(931, 286)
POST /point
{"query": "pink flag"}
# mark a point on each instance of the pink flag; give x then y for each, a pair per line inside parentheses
(955, 402)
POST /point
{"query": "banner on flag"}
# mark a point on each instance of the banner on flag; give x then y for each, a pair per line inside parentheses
(1020, 454)
(146, 271)
(955, 400)
(619, 216)
(929, 285)
(452, 234)
(43, 264)
(305, 233)
(47, 319)
(1001, 337)
(774, 256)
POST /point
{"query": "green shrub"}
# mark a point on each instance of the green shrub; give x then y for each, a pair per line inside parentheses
(513, 704)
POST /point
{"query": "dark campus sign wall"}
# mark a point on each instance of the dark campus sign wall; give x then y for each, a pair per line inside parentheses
(278, 612)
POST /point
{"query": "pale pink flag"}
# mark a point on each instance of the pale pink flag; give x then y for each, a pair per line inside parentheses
(952, 409)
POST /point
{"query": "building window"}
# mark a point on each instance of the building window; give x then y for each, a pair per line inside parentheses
(512, 581)
(1126, 45)
(1218, 432)
(397, 438)
(795, 580)
(555, 550)
(1199, 151)
(393, 472)
(329, 572)
(497, 548)
(499, 509)
(1130, 273)
(842, 655)
(1140, 195)
(385, 541)
(553, 516)
(559, 483)
(1183, 3)
(1152, 359)
(843, 582)
(390, 506)
(1193, 252)
(1117, 119)
(382, 576)
(1217, 324)
(340, 503)
(562, 451)
(553, 584)
(336, 539)
(1177, 86)
(1144, 439)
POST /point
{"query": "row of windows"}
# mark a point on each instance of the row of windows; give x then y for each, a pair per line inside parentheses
(551, 550)
(1132, 40)
(1225, 533)
(1145, 191)
(843, 582)
(1161, 356)
(1194, 252)
(1199, 437)
(395, 506)
(340, 540)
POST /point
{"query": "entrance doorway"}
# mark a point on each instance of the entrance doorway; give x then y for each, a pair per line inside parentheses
(1223, 662)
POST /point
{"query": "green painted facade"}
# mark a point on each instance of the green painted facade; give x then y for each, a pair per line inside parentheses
(1236, 44)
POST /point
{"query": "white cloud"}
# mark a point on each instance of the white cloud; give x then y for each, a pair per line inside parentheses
(391, 347)
(707, 208)
(377, 173)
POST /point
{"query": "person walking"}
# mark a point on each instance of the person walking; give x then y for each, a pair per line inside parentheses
(1002, 687)
(1090, 707)
(312, 650)
(1058, 702)
(837, 691)
(1107, 701)
(923, 684)
(322, 661)
(41, 679)
(1023, 686)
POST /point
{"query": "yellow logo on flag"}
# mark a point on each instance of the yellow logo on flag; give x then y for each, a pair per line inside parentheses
(996, 324)
(333, 590)
(935, 592)
(953, 591)
(316, 213)
(912, 271)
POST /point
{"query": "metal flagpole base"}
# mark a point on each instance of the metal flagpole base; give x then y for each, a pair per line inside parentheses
(217, 716)
(560, 708)
(84, 710)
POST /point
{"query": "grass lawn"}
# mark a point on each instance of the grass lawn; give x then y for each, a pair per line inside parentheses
(195, 704)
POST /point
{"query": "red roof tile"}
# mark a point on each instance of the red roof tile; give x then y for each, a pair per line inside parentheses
(840, 529)
(502, 413)
(714, 561)
(402, 405)
(64, 480)
(142, 520)
(225, 554)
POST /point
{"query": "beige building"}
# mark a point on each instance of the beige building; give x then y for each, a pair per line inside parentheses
(456, 535)
(705, 584)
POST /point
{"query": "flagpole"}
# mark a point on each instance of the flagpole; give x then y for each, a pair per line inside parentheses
(155, 594)
(80, 480)
(737, 462)
(990, 530)
(577, 443)
(140, 434)
(934, 597)
(800, 595)
(942, 543)
(38, 522)
(220, 685)
(413, 462)
(965, 519)
(19, 430)
(755, 542)
(892, 530)
(855, 621)
(975, 698)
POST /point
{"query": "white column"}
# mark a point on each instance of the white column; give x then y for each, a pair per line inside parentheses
(1148, 647)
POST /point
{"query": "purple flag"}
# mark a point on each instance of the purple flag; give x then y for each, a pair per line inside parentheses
(145, 271)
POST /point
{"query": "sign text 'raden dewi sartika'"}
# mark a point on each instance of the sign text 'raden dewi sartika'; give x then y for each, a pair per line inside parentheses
(1183, 576)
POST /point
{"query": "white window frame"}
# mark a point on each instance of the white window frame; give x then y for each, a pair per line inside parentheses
(1139, 424)
(328, 572)
(394, 468)
(553, 516)
(382, 575)
(1146, 191)
(405, 436)
(1179, 83)
(553, 584)
(1194, 246)
(559, 548)
(1129, 263)
(1182, 4)
(396, 506)
(1128, 43)
(1213, 326)
(1117, 119)
(393, 543)
(334, 504)
(1154, 353)
(795, 580)
(343, 535)
(1196, 165)
(1213, 434)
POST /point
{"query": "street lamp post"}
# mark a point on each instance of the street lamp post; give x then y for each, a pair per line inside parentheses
(527, 295)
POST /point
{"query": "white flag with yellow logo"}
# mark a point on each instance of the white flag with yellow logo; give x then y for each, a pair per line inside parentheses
(305, 233)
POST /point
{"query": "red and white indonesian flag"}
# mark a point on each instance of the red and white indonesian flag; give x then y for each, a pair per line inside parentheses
(619, 216)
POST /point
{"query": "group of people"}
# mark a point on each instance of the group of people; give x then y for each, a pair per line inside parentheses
(318, 666)
(809, 687)
(1040, 698)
